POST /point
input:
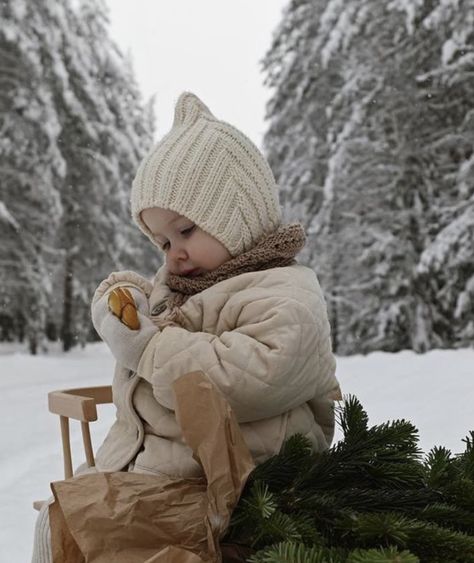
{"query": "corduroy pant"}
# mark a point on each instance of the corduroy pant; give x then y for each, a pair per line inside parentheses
(42, 538)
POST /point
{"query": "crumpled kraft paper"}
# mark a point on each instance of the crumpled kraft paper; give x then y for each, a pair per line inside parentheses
(126, 517)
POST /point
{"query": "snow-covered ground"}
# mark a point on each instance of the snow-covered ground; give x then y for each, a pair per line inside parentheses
(434, 390)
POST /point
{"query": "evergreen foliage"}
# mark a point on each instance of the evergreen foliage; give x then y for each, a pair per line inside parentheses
(370, 137)
(373, 496)
(74, 129)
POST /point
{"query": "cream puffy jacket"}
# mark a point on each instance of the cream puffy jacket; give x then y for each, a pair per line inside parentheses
(262, 338)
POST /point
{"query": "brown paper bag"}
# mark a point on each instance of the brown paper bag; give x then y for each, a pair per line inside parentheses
(134, 518)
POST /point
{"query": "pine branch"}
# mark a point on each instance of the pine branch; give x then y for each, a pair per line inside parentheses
(352, 419)
(364, 451)
(289, 552)
(461, 493)
(387, 555)
(448, 516)
(466, 460)
(368, 496)
(361, 499)
(295, 457)
(423, 538)
(439, 469)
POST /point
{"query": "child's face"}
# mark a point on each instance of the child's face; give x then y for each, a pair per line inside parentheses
(189, 250)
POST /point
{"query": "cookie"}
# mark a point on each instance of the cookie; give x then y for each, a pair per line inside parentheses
(122, 305)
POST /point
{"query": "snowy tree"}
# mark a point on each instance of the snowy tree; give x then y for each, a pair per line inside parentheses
(104, 135)
(98, 131)
(446, 265)
(371, 210)
(31, 167)
(368, 128)
(296, 140)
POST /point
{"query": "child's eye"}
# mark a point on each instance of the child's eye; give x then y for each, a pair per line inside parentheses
(188, 230)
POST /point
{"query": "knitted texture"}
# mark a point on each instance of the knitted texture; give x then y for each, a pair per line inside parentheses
(211, 173)
(276, 250)
(42, 552)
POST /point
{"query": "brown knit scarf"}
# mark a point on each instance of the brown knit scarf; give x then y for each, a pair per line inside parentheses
(276, 249)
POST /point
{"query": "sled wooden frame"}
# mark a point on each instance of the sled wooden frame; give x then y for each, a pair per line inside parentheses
(79, 404)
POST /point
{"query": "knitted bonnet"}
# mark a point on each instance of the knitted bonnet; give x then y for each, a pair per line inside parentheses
(211, 173)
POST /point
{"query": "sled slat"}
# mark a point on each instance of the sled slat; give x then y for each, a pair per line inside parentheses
(80, 403)
(66, 446)
(86, 437)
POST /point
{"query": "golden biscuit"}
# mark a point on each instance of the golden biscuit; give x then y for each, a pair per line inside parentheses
(122, 305)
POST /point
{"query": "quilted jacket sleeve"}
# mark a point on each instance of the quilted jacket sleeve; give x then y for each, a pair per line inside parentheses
(266, 365)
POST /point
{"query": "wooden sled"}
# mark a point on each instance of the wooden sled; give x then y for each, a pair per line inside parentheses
(79, 404)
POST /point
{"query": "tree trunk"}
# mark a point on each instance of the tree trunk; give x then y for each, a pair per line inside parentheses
(67, 336)
(33, 345)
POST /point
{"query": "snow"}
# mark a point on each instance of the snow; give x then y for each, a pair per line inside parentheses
(7, 217)
(448, 50)
(441, 13)
(450, 244)
(434, 390)
(410, 7)
(31, 435)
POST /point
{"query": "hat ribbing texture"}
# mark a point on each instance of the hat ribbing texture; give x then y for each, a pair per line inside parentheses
(210, 172)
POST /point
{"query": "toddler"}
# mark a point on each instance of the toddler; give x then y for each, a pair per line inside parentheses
(230, 300)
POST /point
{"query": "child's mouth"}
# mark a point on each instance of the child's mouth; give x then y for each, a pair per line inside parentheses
(193, 273)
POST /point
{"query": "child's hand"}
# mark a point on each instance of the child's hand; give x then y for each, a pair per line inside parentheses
(126, 344)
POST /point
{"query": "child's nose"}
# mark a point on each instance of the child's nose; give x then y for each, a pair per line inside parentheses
(177, 252)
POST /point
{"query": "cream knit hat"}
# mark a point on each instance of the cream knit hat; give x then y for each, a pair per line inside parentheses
(211, 173)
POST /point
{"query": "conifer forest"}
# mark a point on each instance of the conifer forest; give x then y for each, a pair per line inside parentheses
(370, 135)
